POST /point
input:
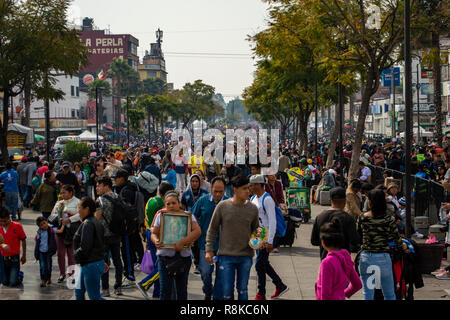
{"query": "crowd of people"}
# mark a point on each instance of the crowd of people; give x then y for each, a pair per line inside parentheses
(113, 205)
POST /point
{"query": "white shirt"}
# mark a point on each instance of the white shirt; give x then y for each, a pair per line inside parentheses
(268, 218)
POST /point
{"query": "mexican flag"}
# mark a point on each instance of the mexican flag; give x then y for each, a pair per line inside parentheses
(101, 74)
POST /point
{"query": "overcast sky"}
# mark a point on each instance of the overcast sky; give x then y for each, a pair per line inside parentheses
(190, 26)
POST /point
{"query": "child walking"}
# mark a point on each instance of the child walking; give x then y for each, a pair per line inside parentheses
(44, 250)
(337, 269)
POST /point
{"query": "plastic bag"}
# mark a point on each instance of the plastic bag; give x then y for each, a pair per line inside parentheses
(147, 264)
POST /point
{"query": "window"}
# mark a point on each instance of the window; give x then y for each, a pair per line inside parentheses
(78, 91)
(73, 113)
(72, 91)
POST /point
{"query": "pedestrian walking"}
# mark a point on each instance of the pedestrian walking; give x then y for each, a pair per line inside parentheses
(44, 250)
(10, 179)
(203, 211)
(89, 252)
(337, 269)
(180, 256)
(267, 218)
(236, 219)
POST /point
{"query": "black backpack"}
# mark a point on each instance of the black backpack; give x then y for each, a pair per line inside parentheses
(125, 217)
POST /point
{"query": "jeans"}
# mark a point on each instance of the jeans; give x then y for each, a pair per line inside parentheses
(228, 267)
(181, 182)
(45, 266)
(2, 269)
(25, 190)
(376, 270)
(168, 282)
(152, 278)
(206, 271)
(11, 271)
(112, 250)
(89, 280)
(131, 245)
(12, 203)
(264, 267)
(61, 251)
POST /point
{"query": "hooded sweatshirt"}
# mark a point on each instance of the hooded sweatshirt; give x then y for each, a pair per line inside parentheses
(335, 272)
(189, 198)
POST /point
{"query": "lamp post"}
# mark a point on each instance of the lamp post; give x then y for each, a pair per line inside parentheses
(408, 115)
(96, 117)
(418, 94)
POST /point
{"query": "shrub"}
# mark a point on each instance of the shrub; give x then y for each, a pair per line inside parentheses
(75, 151)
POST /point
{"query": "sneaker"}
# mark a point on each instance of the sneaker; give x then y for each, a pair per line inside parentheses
(118, 291)
(49, 282)
(137, 267)
(142, 291)
(61, 278)
(196, 270)
(275, 250)
(438, 271)
(417, 235)
(259, 296)
(444, 276)
(127, 283)
(43, 284)
(105, 293)
(279, 292)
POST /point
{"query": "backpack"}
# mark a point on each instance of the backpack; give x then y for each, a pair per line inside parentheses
(126, 217)
(281, 222)
(147, 183)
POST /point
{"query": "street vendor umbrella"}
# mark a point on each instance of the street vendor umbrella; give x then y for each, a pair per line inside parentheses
(38, 137)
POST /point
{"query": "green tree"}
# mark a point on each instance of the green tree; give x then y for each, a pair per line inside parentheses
(75, 151)
(36, 45)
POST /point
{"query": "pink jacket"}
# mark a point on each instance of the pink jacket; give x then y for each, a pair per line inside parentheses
(335, 272)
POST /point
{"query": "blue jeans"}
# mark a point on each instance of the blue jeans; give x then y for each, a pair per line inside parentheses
(89, 279)
(206, 271)
(12, 203)
(228, 267)
(2, 269)
(45, 265)
(25, 190)
(376, 270)
(152, 278)
(167, 282)
(11, 270)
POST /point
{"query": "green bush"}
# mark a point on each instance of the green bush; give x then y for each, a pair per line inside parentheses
(75, 151)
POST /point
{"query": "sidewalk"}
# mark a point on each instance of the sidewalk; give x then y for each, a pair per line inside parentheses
(297, 266)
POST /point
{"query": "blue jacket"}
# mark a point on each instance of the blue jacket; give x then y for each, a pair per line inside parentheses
(51, 242)
(187, 198)
(203, 210)
(171, 177)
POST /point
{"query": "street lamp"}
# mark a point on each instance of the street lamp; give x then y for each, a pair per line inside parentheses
(418, 94)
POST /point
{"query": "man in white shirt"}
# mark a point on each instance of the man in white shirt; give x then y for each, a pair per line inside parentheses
(267, 219)
(366, 173)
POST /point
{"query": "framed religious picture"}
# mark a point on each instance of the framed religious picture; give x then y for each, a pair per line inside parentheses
(175, 226)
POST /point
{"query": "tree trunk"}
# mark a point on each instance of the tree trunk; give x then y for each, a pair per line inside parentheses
(303, 118)
(4, 128)
(437, 134)
(27, 102)
(334, 139)
(370, 88)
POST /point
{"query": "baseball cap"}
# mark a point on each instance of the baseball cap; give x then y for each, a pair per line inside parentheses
(257, 178)
(337, 193)
(122, 173)
(66, 164)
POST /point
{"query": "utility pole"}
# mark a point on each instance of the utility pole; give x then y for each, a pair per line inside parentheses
(316, 103)
(96, 117)
(418, 101)
(128, 122)
(408, 115)
(393, 102)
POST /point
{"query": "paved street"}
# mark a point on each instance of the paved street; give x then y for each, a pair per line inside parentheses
(297, 266)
